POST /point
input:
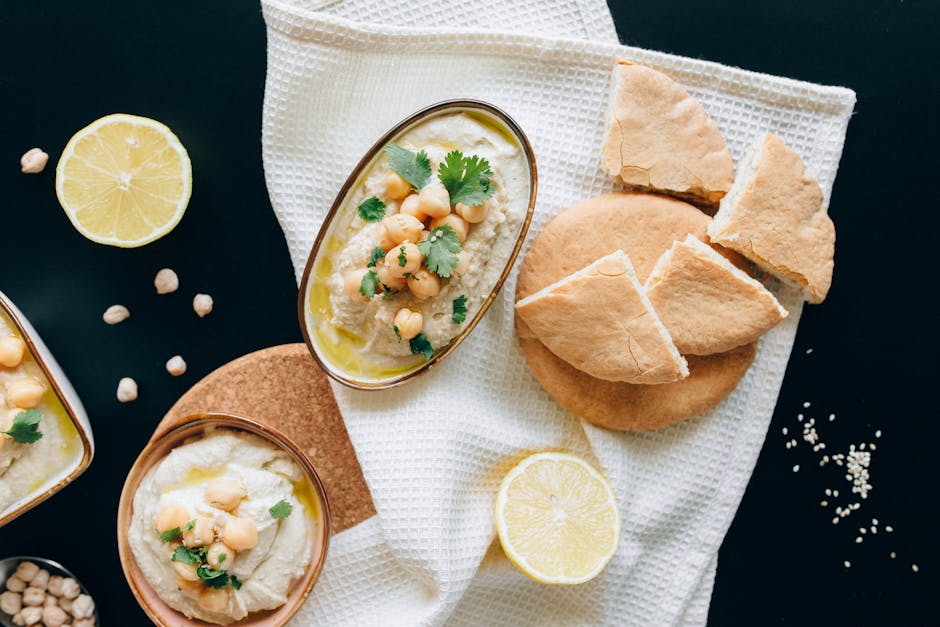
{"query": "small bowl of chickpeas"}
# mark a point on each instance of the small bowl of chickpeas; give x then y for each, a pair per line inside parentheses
(222, 520)
(417, 244)
(46, 440)
(39, 591)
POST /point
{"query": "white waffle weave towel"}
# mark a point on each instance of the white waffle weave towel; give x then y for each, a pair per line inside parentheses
(434, 451)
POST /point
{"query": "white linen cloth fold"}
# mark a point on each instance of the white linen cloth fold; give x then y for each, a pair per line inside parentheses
(434, 451)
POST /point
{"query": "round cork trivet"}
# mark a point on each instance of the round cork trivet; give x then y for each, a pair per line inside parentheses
(283, 387)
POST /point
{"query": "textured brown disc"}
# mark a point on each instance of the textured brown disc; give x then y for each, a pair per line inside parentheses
(644, 226)
(254, 386)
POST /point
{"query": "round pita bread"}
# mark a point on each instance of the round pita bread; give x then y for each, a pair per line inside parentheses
(644, 226)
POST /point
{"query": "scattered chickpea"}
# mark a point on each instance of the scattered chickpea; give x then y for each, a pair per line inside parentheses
(170, 517)
(396, 187)
(126, 390)
(54, 616)
(176, 366)
(83, 607)
(409, 253)
(202, 533)
(389, 276)
(353, 281)
(409, 323)
(10, 603)
(166, 281)
(472, 214)
(202, 305)
(424, 284)
(185, 571)
(434, 201)
(12, 351)
(225, 493)
(25, 392)
(26, 571)
(116, 314)
(213, 600)
(215, 553)
(409, 206)
(240, 534)
(33, 161)
(402, 228)
(455, 222)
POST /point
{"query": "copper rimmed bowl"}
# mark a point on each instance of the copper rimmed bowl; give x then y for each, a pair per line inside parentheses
(313, 303)
(156, 450)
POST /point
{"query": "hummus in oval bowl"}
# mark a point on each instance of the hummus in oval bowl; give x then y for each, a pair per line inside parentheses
(417, 244)
(224, 526)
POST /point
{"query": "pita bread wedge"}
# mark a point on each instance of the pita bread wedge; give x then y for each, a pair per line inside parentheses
(659, 137)
(644, 226)
(774, 216)
(706, 303)
(600, 321)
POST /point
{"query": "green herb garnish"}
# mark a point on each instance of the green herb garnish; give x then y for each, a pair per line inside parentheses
(421, 346)
(188, 556)
(413, 167)
(460, 309)
(397, 332)
(440, 251)
(402, 259)
(25, 427)
(170, 535)
(233, 580)
(281, 510)
(467, 179)
(369, 284)
(213, 577)
(377, 253)
(372, 209)
(189, 526)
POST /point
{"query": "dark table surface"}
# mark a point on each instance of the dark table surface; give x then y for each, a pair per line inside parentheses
(199, 67)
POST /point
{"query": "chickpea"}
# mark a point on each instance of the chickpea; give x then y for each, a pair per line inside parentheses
(463, 262)
(27, 571)
(30, 615)
(10, 603)
(12, 350)
(353, 281)
(185, 571)
(408, 323)
(83, 606)
(387, 276)
(41, 580)
(434, 201)
(66, 604)
(396, 187)
(409, 206)
(411, 255)
(213, 600)
(402, 228)
(240, 534)
(220, 556)
(424, 284)
(171, 517)
(473, 215)
(225, 493)
(70, 589)
(50, 600)
(15, 584)
(455, 222)
(191, 588)
(26, 392)
(55, 585)
(202, 533)
(33, 596)
(54, 616)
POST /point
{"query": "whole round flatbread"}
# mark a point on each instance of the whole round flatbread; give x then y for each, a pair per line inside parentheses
(644, 226)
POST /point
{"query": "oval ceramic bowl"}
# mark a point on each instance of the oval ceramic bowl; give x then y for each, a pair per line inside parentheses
(309, 299)
(155, 450)
(9, 564)
(72, 411)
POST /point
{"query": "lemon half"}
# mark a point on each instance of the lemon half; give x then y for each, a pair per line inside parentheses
(557, 519)
(124, 180)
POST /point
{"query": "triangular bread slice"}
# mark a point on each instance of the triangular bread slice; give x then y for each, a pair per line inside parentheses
(659, 137)
(600, 321)
(774, 216)
(706, 303)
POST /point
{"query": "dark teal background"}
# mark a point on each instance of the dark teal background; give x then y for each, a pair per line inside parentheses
(199, 67)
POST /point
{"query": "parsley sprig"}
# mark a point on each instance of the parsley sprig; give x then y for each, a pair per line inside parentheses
(212, 577)
(460, 309)
(25, 427)
(440, 251)
(369, 284)
(280, 510)
(467, 179)
(413, 167)
(420, 345)
(372, 209)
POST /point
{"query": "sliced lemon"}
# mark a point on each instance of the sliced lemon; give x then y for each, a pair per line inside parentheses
(557, 519)
(124, 180)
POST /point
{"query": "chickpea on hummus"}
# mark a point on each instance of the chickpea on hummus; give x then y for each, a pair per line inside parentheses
(428, 231)
(223, 526)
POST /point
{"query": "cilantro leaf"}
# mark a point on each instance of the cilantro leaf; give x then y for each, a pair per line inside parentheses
(25, 427)
(421, 346)
(186, 555)
(369, 283)
(170, 535)
(281, 510)
(460, 309)
(235, 582)
(377, 254)
(213, 577)
(372, 209)
(222, 557)
(440, 251)
(414, 168)
(467, 179)
(190, 525)
(402, 258)
(397, 332)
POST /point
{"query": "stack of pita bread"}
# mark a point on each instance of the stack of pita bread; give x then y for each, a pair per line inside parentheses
(636, 309)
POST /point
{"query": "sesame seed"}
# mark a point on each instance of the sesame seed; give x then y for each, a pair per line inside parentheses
(828, 492)
(805, 404)
(835, 521)
(796, 468)
(861, 529)
(889, 528)
(835, 493)
(858, 540)
(824, 503)
(874, 529)
(878, 433)
(784, 431)
(832, 417)
(799, 417)
(872, 447)
(847, 564)
(914, 567)
(809, 351)
(893, 555)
